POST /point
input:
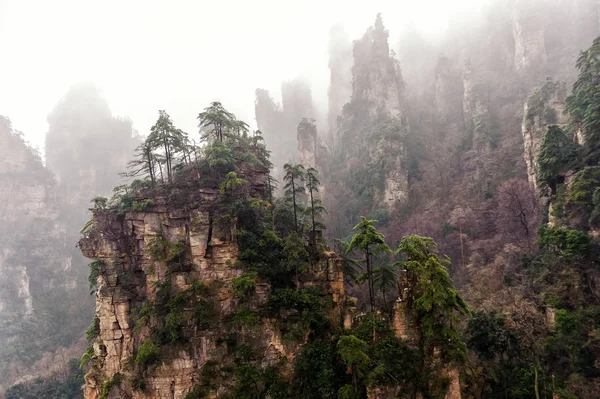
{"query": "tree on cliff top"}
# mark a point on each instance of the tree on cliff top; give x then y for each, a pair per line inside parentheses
(166, 136)
(219, 120)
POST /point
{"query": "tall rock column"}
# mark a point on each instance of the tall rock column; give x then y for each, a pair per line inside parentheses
(544, 107)
(372, 128)
(307, 143)
(528, 33)
(340, 84)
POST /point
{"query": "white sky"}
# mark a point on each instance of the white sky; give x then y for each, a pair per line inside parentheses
(179, 55)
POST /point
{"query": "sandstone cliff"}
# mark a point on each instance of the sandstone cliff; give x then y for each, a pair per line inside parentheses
(215, 327)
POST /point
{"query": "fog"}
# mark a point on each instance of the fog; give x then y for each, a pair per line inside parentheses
(180, 55)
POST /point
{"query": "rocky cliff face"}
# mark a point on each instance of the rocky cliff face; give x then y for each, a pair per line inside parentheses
(376, 75)
(36, 274)
(340, 82)
(528, 32)
(373, 126)
(544, 107)
(307, 143)
(208, 314)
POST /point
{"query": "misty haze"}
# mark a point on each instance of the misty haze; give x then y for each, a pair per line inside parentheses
(297, 200)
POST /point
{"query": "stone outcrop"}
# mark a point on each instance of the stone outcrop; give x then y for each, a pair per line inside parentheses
(544, 107)
(125, 245)
(36, 275)
(528, 33)
(476, 110)
(373, 125)
(376, 78)
(307, 143)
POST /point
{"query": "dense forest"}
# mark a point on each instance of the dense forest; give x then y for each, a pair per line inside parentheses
(437, 236)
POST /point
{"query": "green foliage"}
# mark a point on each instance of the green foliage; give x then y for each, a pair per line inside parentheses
(557, 155)
(395, 363)
(566, 242)
(147, 354)
(96, 269)
(116, 379)
(170, 331)
(93, 330)
(294, 186)
(232, 183)
(170, 140)
(488, 335)
(369, 324)
(244, 316)
(300, 311)
(317, 371)
(218, 120)
(261, 250)
(87, 228)
(244, 285)
(431, 292)
(254, 383)
(353, 353)
(100, 204)
(583, 104)
(315, 206)
(382, 216)
(51, 387)
(204, 313)
(295, 254)
(86, 357)
(163, 250)
(141, 206)
(220, 155)
(369, 242)
(583, 195)
(122, 199)
(537, 104)
(566, 322)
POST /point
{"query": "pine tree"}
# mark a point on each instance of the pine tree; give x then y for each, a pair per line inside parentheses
(294, 179)
(316, 207)
(143, 163)
(166, 136)
(370, 242)
(218, 119)
(432, 295)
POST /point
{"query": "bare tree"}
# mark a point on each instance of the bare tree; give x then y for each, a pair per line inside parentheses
(518, 213)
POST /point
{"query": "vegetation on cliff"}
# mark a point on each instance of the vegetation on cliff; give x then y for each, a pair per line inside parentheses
(279, 249)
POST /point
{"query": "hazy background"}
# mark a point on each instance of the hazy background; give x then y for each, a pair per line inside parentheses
(179, 55)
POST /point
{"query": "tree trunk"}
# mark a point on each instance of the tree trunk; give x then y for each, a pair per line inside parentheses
(294, 201)
(536, 384)
(369, 279)
(314, 229)
(150, 166)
